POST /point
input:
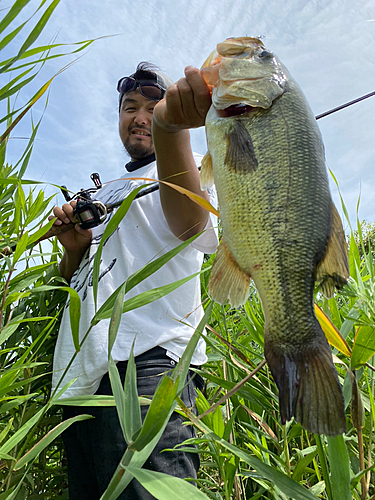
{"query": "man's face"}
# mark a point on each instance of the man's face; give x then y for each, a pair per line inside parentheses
(135, 124)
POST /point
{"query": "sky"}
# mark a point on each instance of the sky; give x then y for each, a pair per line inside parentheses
(328, 47)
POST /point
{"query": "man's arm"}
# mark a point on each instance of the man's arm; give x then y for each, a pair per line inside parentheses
(75, 242)
(185, 106)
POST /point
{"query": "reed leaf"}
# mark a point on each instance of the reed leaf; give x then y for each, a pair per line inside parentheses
(132, 413)
(36, 31)
(363, 347)
(9, 87)
(339, 467)
(21, 433)
(141, 299)
(74, 309)
(115, 318)
(118, 393)
(13, 13)
(47, 440)
(332, 334)
(164, 487)
(108, 231)
(282, 481)
(120, 478)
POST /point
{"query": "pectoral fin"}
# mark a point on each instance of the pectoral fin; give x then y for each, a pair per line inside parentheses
(206, 177)
(333, 269)
(240, 153)
(227, 281)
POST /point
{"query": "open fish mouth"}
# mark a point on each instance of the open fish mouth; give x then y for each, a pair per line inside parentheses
(235, 110)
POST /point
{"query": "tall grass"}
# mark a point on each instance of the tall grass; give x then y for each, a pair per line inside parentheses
(31, 296)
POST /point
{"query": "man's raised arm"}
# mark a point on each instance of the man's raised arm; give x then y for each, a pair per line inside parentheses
(184, 106)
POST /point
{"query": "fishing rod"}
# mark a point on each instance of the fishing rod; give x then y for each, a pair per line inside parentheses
(322, 115)
(155, 186)
(91, 213)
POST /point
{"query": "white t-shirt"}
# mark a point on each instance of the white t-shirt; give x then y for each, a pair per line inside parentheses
(169, 322)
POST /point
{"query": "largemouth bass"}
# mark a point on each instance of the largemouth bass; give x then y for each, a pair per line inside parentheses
(280, 226)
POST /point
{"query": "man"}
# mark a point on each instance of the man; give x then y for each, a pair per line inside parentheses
(154, 118)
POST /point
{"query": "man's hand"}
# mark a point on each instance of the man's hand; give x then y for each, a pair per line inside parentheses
(185, 104)
(75, 241)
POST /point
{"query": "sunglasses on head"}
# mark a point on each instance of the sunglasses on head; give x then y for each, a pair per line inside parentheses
(150, 90)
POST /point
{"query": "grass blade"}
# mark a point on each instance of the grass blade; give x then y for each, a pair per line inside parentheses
(141, 299)
(120, 479)
(33, 35)
(363, 347)
(74, 309)
(332, 334)
(156, 264)
(13, 13)
(132, 414)
(158, 413)
(109, 229)
(115, 318)
(164, 487)
(118, 393)
(22, 432)
(47, 439)
(287, 485)
(340, 468)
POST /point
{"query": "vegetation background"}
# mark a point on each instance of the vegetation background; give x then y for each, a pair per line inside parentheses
(246, 453)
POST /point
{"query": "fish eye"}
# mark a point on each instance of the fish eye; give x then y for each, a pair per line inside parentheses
(265, 54)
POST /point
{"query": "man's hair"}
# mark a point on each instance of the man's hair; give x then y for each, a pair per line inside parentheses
(146, 71)
(149, 72)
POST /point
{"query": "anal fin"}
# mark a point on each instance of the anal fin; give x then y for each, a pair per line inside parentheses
(227, 280)
(333, 269)
(206, 177)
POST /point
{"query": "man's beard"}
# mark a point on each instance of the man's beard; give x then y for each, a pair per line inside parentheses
(138, 151)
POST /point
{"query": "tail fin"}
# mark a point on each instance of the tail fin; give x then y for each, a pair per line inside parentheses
(309, 389)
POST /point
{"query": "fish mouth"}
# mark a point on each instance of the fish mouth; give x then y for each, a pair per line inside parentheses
(235, 110)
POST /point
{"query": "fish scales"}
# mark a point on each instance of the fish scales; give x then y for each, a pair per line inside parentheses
(278, 220)
(270, 221)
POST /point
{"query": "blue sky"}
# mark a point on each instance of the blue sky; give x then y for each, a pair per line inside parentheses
(327, 46)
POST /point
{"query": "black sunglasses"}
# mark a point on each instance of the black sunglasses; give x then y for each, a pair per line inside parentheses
(150, 90)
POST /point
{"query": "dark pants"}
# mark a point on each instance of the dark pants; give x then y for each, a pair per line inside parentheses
(95, 447)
